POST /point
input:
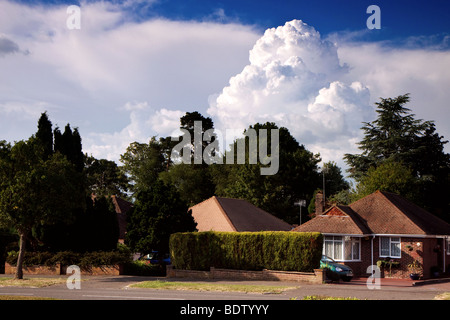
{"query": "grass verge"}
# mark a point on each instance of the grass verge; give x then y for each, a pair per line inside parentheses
(169, 285)
(30, 282)
(443, 296)
(12, 297)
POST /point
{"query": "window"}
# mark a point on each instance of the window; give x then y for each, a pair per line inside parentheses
(448, 246)
(390, 247)
(342, 248)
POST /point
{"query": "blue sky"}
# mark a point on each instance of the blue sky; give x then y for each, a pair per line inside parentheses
(400, 18)
(136, 66)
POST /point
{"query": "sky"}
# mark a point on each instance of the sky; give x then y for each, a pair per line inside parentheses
(132, 68)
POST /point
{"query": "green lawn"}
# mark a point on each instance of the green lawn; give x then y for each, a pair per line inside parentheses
(157, 284)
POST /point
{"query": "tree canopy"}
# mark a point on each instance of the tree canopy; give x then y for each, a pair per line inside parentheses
(396, 136)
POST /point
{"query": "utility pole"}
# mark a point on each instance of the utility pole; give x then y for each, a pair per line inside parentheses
(300, 203)
(324, 170)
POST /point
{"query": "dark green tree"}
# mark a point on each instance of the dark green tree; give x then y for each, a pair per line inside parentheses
(45, 135)
(193, 179)
(143, 163)
(69, 144)
(397, 136)
(297, 177)
(104, 178)
(35, 192)
(157, 213)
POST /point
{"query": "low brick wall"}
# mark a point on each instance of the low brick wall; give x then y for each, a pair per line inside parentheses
(318, 276)
(44, 270)
(62, 270)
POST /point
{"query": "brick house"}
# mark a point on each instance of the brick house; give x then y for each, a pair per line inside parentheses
(383, 226)
(228, 214)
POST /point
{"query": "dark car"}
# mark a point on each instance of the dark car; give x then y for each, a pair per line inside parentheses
(344, 272)
(156, 257)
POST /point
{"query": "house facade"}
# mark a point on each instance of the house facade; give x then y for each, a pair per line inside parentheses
(383, 229)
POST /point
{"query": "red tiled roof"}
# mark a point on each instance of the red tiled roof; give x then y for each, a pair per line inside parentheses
(226, 214)
(337, 219)
(377, 213)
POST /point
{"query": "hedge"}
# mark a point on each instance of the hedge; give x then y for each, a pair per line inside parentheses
(274, 250)
(83, 260)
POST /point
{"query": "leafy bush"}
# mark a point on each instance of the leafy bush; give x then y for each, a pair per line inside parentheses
(275, 250)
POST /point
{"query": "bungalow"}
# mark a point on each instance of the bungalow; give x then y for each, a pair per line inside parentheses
(227, 214)
(383, 227)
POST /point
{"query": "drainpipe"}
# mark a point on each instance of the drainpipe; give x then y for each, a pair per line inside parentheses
(444, 251)
(371, 250)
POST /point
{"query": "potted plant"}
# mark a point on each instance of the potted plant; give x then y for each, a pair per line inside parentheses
(415, 270)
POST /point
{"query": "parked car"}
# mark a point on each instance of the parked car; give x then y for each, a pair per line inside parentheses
(344, 272)
(155, 257)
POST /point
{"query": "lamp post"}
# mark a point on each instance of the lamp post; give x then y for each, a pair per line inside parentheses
(300, 203)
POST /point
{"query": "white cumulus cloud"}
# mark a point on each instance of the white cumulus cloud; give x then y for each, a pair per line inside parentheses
(294, 78)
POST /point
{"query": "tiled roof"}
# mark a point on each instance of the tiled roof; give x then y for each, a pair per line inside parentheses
(226, 214)
(337, 219)
(378, 213)
(122, 207)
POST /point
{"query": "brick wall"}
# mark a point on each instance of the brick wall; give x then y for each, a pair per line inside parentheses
(420, 249)
(61, 270)
(271, 275)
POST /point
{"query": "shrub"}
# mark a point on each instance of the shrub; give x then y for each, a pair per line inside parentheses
(275, 250)
(83, 260)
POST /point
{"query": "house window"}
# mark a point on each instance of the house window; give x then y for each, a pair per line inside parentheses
(448, 246)
(390, 247)
(342, 248)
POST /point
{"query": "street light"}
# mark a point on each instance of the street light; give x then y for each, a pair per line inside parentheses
(300, 203)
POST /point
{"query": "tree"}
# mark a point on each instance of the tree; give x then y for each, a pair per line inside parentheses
(296, 179)
(35, 192)
(157, 213)
(142, 163)
(104, 178)
(192, 180)
(69, 145)
(397, 136)
(45, 135)
(389, 176)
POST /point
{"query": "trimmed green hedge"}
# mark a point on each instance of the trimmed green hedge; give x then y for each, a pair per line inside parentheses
(274, 250)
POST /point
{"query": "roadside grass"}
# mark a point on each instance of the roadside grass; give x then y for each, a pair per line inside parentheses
(443, 296)
(328, 298)
(169, 285)
(30, 282)
(12, 297)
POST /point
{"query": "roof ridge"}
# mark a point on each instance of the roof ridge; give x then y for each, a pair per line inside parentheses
(222, 210)
(201, 202)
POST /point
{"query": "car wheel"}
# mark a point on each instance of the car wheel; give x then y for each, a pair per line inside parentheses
(347, 279)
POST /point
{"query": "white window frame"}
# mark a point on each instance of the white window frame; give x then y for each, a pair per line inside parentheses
(448, 246)
(342, 240)
(392, 240)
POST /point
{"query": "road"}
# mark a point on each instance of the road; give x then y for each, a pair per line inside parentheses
(117, 288)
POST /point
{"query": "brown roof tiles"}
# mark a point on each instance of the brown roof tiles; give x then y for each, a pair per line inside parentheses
(378, 213)
(226, 214)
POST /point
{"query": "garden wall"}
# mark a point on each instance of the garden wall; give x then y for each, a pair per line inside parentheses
(58, 269)
(317, 277)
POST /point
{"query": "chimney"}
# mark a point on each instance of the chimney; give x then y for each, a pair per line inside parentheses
(319, 203)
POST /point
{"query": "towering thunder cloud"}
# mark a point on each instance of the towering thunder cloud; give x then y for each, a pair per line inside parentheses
(295, 80)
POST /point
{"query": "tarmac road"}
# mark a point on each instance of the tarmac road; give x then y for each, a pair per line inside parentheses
(116, 288)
